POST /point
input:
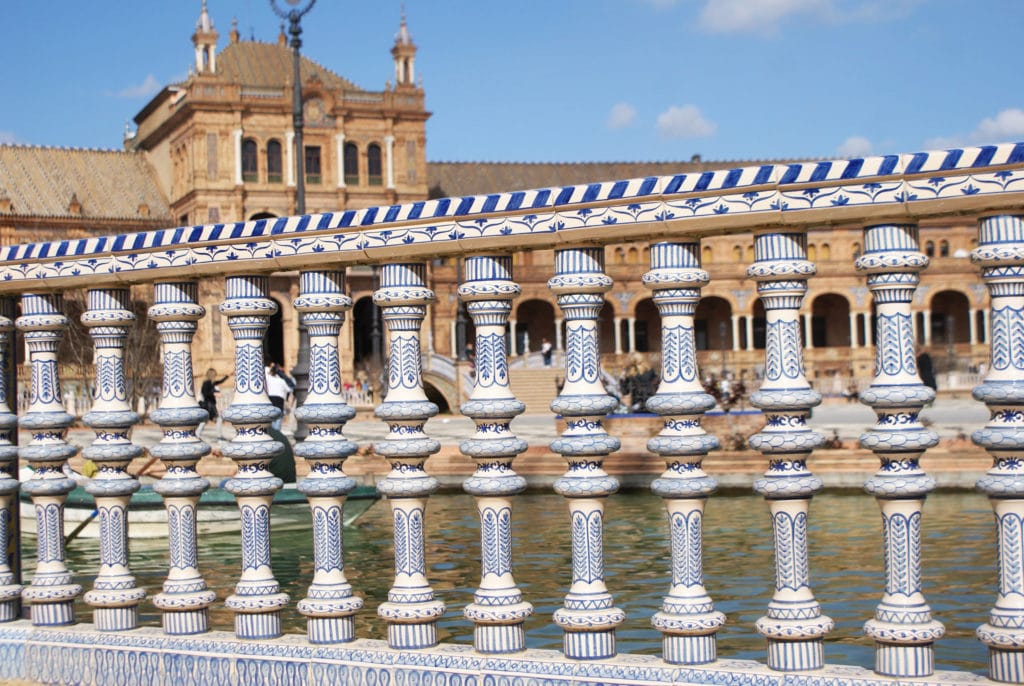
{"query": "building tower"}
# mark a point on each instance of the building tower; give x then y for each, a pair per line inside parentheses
(205, 40)
(404, 52)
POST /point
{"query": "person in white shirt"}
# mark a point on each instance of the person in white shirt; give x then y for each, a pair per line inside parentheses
(278, 389)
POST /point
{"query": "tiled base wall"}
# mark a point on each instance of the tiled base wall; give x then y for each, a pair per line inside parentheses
(81, 655)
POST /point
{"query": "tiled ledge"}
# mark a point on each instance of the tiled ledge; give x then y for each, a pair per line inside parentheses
(79, 654)
(893, 188)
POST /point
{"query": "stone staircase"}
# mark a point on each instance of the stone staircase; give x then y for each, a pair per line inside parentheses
(535, 386)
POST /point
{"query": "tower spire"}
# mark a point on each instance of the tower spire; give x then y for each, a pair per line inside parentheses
(404, 54)
(205, 42)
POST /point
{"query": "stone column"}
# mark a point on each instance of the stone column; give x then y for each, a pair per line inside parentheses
(926, 322)
(793, 625)
(854, 338)
(972, 321)
(114, 596)
(10, 589)
(868, 330)
(688, 621)
(903, 629)
(411, 611)
(237, 137)
(339, 148)
(986, 326)
(632, 334)
(329, 605)
(185, 599)
(51, 593)
(389, 164)
(618, 335)
(257, 601)
(735, 322)
(289, 157)
(498, 610)
(808, 331)
(587, 617)
(558, 335)
(750, 332)
(1000, 254)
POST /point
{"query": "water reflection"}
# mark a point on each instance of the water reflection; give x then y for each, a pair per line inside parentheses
(958, 568)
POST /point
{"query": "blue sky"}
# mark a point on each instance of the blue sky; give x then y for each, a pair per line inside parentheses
(569, 80)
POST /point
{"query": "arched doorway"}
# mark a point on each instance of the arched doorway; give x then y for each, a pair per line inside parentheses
(950, 318)
(712, 324)
(830, 321)
(273, 342)
(535, 321)
(648, 327)
(606, 328)
(364, 313)
(759, 325)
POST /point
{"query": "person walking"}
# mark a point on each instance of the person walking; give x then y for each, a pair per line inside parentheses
(546, 352)
(279, 387)
(208, 395)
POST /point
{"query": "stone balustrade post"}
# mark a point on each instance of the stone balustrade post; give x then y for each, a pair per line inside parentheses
(794, 625)
(1000, 254)
(498, 610)
(185, 599)
(687, 620)
(903, 629)
(114, 596)
(10, 589)
(411, 610)
(258, 600)
(329, 605)
(587, 617)
(51, 593)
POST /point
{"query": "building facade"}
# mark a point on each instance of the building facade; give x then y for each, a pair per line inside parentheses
(219, 147)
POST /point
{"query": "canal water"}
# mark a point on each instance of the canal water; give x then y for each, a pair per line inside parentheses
(958, 568)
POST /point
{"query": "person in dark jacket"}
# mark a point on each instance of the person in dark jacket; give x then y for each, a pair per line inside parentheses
(208, 396)
(926, 370)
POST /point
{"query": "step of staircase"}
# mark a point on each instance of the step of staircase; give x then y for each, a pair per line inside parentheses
(535, 386)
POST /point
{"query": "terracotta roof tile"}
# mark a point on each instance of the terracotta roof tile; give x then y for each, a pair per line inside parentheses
(108, 184)
(269, 65)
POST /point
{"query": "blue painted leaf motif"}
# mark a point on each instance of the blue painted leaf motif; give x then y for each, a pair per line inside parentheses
(722, 208)
(1011, 545)
(327, 539)
(489, 542)
(680, 357)
(178, 373)
(609, 220)
(504, 542)
(790, 550)
(324, 369)
(1007, 338)
(970, 189)
(249, 360)
(840, 200)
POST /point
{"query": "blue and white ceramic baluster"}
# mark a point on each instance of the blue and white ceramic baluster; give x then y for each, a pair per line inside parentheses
(411, 610)
(329, 605)
(587, 617)
(498, 609)
(793, 625)
(51, 594)
(258, 600)
(903, 628)
(185, 599)
(10, 591)
(114, 596)
(688, 620)
(1000, 253)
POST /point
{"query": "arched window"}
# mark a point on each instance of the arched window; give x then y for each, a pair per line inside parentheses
(706, 255)
(351, 163)
(812, 252)
(250, 164)
(737, 253)
(633, 256)
(750, 253)
(929, 249)
(620, 256)
(826, 252)
(856, 250)
(943, 248)
(274, 166)
(374, 170)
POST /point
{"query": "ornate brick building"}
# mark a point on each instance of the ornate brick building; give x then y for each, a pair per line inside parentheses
(219, 147)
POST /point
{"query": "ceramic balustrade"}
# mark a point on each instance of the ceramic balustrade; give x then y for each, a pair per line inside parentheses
(794, 624)
(52, 592)
(258, 600)
(411, 611)
(10, 588)
(688, 620)
(498, 609)
(185, 599)
(588, 617)
(1000, 254)
(902, 628)
(114, 596)
(329, 605)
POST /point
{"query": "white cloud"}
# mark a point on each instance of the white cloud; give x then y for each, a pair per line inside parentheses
(149, 86)
(685, 121)
(8, 138)
(1006, 127)
(855, 146)
(622, 115)
(765, 16)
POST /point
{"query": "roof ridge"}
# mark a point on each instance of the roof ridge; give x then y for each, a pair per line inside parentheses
(66, 148)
